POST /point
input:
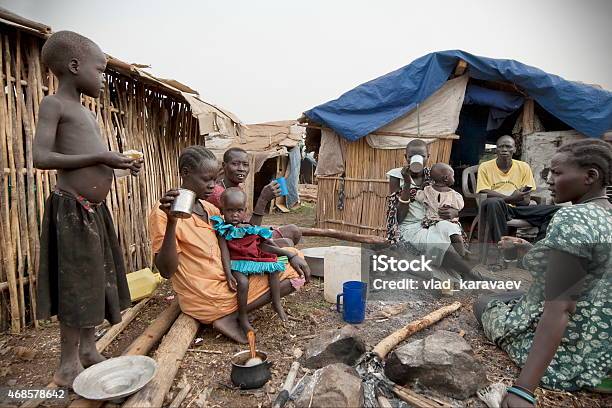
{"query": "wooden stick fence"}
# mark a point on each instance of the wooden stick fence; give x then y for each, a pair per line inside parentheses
(365, 187)
(131, 115)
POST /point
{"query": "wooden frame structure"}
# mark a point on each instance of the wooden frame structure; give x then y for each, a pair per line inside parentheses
(135, 111)
(357, 201)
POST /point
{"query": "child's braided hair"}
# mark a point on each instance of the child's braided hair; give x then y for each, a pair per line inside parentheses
(591, 153)
(195, 156)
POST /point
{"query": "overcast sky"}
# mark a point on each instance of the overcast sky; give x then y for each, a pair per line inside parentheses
(273, 59)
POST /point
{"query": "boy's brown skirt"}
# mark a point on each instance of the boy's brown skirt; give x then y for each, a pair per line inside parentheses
(81, 276)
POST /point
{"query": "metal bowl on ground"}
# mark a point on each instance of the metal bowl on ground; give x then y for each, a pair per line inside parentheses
(248, 377)
(115, 378)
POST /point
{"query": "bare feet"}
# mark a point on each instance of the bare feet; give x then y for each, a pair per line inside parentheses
(278, 308)
(229, 327)
(66, 373)
(245, 325)
(90, 357)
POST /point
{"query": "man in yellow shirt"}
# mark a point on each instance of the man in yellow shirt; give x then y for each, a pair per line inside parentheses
(508, 184)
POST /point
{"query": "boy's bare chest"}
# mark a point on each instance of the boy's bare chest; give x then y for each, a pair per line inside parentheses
(79, 132)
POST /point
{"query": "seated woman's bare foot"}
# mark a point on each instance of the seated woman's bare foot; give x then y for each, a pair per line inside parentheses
(245, 325)
(280, 312)
(90, 357)
(229, 327)
(66, 373)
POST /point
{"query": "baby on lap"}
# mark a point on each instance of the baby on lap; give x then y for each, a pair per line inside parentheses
(440, 195)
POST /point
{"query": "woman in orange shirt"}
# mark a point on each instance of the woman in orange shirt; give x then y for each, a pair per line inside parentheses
(187, 251)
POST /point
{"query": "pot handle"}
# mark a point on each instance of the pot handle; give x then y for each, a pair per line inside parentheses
(269, 364)
(339, 308)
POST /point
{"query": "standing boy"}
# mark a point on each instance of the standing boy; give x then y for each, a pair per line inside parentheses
(81, 276)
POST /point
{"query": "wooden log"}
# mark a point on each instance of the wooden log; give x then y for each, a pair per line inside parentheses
(528, 117)
(460, 68)
(114, 331)
(392, 340)
(14, 18)
(152, 334)
(180, 397)
(346, 236)
(169, 356)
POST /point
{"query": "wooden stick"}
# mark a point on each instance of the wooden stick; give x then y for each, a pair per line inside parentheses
(283, 395)
(392, 340)
(192, 350)
(346, 236)
(114, 331)
(383, 402)
(418, 400)
(180, 397)
(169, 356)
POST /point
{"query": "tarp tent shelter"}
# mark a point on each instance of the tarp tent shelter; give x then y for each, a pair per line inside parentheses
(373, 122)
(274, 150)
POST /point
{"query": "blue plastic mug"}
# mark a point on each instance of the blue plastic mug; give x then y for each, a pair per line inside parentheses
(354, 302)
(283, 186)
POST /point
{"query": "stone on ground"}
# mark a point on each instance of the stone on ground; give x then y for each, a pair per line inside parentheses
(336, 385)
(442, 362)
(334, 346)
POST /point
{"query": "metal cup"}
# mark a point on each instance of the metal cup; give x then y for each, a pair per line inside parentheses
(182, 207)
(416, 163)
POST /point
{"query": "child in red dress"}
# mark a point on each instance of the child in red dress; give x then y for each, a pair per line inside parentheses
(247, 249)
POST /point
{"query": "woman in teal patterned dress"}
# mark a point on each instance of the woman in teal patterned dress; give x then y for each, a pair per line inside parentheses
(559, 331)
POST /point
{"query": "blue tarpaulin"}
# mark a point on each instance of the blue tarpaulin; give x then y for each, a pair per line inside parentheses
(376, 103)
(502, 104)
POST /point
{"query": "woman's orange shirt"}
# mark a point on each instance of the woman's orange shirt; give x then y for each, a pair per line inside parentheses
(199, 281)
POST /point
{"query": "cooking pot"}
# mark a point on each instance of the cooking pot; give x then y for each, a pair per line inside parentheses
(247, 377)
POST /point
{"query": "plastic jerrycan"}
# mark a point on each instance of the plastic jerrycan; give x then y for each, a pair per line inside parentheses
(142, 283)
(341, 264)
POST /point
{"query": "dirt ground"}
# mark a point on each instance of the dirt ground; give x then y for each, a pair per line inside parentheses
(207, 370)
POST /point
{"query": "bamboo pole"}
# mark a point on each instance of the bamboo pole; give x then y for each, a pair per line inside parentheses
(19, 164)
(13, 212)
(343, 235)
